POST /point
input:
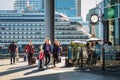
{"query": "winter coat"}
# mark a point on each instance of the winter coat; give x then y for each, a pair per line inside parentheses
(29, 49)
(12, 47)
(45, 48)
(55, 49)
(41, 56)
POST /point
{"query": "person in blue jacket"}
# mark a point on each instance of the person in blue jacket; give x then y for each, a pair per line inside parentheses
(55, 52)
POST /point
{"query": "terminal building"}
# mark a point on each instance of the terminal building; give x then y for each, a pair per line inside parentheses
(112, 21)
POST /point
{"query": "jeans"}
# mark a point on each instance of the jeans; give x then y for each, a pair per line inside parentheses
(12, 57)
(30, 58)
(47, 58)
(40, 64)
(25, 56)
(55, 57)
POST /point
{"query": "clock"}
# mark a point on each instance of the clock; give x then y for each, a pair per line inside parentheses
(94, 18)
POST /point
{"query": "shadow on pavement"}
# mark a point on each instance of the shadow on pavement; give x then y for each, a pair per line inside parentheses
(32, 72)
(70, 76)
(17, 69)
(35, 71)
(100, 72)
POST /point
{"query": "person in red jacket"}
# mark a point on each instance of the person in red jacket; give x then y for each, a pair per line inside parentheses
(29, 48)
(40, 58)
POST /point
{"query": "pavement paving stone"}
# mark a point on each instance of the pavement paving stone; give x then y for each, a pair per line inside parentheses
(21, 71)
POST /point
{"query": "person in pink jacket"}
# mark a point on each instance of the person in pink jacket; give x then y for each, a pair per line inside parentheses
(40, 58)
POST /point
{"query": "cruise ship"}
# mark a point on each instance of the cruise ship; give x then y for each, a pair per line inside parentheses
(23, 26)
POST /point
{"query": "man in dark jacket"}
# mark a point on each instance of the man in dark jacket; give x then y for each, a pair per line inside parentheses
(12, 50)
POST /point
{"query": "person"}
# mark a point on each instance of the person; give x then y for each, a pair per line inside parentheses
(69, 52)
(93, 57)
(29, 48)
(25, 58)
(111, 50)
(97, 48)
(88, 53)
(12, 50)
(55, 52)
(40, 58)
(47, 51)
(97, 51)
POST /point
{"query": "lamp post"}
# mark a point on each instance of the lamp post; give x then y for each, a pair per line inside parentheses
(103, 51)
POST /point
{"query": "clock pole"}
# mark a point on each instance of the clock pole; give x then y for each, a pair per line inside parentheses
(93, 23)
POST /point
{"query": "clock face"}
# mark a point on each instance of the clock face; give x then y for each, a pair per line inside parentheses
(94, 18)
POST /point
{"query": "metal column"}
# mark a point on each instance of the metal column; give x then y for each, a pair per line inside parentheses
(49, 20)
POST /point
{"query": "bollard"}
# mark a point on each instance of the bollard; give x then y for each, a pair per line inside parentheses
(103, 55)
(81, 52)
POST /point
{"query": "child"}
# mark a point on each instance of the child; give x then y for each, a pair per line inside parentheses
(40, 58)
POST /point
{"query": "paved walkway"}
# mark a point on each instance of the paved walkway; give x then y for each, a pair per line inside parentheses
(21, 71)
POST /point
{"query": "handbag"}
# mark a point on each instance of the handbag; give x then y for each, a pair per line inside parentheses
(59, 60)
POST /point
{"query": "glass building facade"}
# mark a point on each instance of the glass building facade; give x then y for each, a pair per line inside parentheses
(68, 7)
(112, 21)
(36, 5)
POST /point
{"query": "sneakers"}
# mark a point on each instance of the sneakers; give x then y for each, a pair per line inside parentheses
(12, 63)
(40, 69)
(46, 67)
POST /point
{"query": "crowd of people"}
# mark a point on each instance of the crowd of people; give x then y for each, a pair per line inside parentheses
(45, 53)
(50, 52)
(94, 51)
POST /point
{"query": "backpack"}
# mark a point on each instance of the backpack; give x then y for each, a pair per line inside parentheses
(10, 47)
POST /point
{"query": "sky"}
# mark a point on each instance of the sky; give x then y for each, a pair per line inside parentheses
(86, 5)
